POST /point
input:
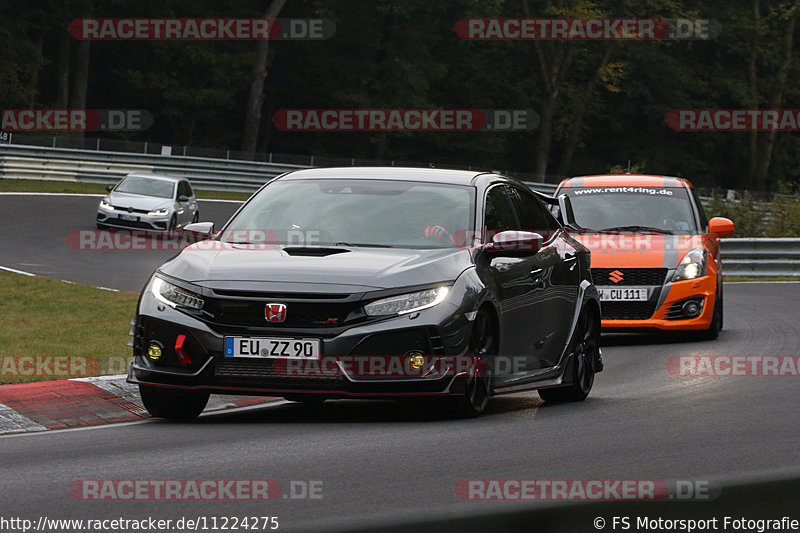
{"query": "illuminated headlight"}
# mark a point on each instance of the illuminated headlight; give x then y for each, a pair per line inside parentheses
(104, 205)
(406, 303)
(158, 212)
(173, 296)
(692, 265)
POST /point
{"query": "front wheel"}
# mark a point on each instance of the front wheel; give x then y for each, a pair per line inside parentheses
(171, 403)
(716, 321)
(585, 347)
(478, 382)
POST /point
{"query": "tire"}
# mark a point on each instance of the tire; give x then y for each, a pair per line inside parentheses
(716, 321)
(196, 217)
(478, 383)
(585, 349)
(173, 404)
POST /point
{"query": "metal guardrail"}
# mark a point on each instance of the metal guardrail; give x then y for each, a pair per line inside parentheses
(742, 257)
(761, 257)
(67, 164)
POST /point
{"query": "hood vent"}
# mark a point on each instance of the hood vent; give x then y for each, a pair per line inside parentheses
(313, 251)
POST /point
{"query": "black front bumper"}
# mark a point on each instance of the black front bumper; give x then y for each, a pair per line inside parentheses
(440, 334)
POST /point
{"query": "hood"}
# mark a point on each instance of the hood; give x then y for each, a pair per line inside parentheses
(639, 250)
(137, 201)
(233, 265)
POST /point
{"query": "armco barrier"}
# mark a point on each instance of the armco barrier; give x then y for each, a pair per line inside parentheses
(761, 257)
(64, 164)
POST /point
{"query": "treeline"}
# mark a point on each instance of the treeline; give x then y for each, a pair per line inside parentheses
(600, 103)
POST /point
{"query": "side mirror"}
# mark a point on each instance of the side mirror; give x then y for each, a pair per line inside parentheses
(513, 242)
(183, 198)
(720, 226)
(202, 230)
(109, 188)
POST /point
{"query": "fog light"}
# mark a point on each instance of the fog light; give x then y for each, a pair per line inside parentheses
(416, 361)
(154, 351)
(691, 308)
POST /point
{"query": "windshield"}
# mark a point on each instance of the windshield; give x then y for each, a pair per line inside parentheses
(146, 186)
(665, 209)
(354, 212)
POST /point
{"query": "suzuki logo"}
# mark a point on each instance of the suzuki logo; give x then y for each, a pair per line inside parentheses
(275, 312)
(616, 276)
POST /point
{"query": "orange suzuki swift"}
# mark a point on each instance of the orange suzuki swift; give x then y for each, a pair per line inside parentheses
(655, 257)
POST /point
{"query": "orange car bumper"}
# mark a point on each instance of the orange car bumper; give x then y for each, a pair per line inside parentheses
(705, 287)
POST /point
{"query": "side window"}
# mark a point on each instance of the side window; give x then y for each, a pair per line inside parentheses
(499, 214)
(532, 214)
(184, 188)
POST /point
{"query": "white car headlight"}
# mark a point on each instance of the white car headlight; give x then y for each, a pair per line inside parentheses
(174, 296)
(158, 212)
(692, 265)
(104, 205)
(407, 303)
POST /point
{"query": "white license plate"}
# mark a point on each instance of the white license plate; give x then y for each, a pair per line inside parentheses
(272, 347)
(620, 294)
(132, 218)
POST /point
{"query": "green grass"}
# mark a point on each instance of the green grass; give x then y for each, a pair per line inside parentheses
(9, 185)
(735, 279)
(46, 317)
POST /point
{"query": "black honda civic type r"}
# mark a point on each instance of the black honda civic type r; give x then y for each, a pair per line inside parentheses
(373, 283)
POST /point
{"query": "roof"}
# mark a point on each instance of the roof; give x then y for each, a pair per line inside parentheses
(430, 175)
(618, 180)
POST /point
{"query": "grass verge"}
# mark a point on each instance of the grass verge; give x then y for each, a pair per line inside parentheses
(81, 329)
(734, 279)
(75, 187)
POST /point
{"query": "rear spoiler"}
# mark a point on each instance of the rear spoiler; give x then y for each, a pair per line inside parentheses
(560, 207)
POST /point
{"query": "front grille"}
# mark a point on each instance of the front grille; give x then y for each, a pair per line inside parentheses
(129, 209)
(133, 224)
(261, 372)
(303, 314)
(628, 310)
(630, 276)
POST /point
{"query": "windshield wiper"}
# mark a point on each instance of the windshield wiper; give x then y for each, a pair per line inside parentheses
(636, 229)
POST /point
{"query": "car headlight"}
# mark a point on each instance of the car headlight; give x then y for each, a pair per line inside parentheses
(158, 212)
(406, 303)
(105, 205)
(692, 265)
(174, 296)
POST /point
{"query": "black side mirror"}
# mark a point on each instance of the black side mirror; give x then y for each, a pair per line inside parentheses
(183, 198)
(109, 188)
(514, 243)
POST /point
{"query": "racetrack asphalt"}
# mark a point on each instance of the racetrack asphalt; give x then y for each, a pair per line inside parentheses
(40, 235)
(381, 460)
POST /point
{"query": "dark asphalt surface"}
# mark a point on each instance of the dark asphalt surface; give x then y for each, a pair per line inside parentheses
(378, 459)
(34, 238)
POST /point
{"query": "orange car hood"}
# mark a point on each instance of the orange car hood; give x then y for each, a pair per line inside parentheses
(615, 250)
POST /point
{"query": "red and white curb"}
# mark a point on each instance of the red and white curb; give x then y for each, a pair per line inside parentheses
(71, 403)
